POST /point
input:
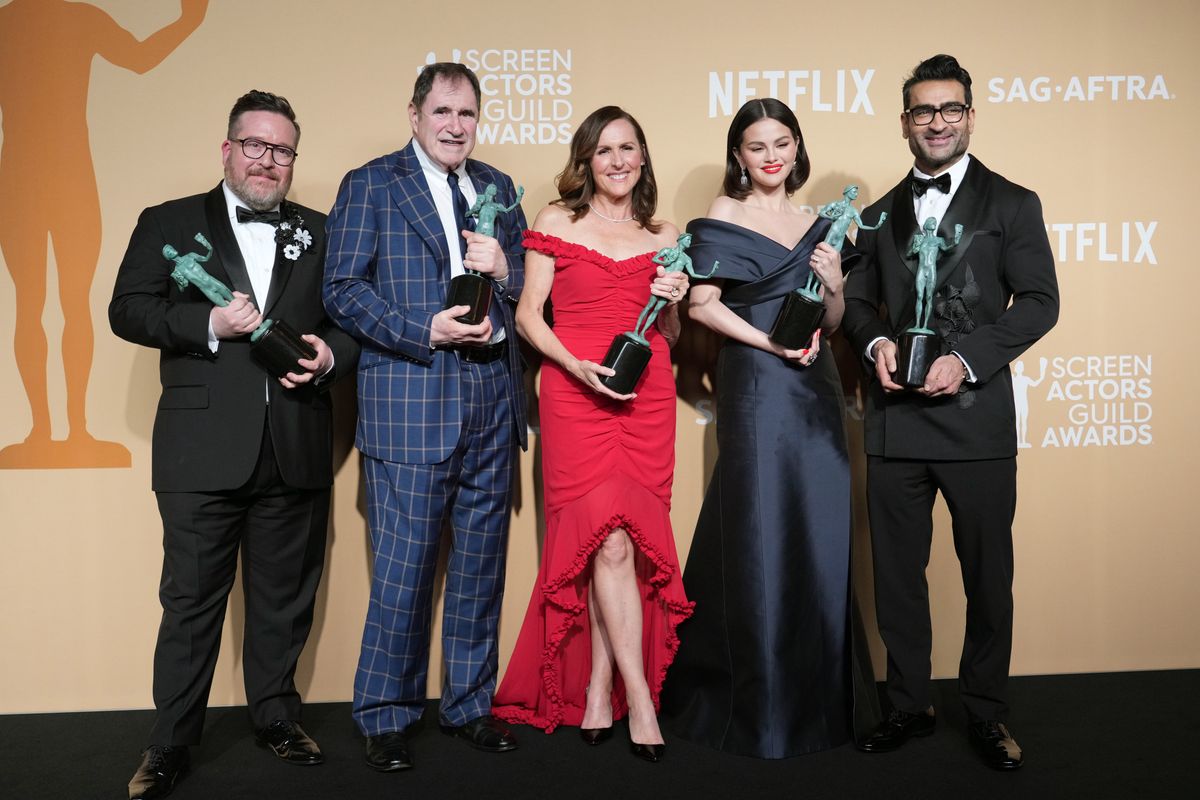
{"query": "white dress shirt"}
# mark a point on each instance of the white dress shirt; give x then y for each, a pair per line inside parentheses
(935, 202)
(439, 189)
(256, 240)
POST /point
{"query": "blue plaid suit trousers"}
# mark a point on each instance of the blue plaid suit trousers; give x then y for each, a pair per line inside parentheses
(409, 504)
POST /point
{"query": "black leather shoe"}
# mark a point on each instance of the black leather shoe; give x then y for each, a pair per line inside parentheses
(995, 745)
(897, 729)
(484, 733)
(388, 752)
(289, 741)
(161, 768)
(648, 752)
(595, 736)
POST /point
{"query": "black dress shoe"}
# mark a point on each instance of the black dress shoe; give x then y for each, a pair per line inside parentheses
(995, 745)
(897, 729)
(161, 768)
(388, 752)
(484, 733)
(595, 736)
(648, 752)
(289, 741)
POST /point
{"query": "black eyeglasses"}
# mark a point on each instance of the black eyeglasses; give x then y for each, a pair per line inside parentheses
(923, 115)
(255, 148)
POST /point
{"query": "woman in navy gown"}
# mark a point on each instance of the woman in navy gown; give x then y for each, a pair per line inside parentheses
(769, 665)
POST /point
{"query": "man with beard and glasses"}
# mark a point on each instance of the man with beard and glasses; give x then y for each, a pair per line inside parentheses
(241, 460)
(994, 295)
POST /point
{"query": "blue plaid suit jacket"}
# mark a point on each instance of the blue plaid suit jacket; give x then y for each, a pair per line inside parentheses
(387, 268)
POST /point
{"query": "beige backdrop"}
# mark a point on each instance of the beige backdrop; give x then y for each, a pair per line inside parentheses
(1089, 103)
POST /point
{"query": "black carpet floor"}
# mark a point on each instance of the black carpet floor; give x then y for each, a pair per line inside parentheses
(1126, 735)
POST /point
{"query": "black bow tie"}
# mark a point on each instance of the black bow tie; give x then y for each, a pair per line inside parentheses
(246, 215)
(922, 185)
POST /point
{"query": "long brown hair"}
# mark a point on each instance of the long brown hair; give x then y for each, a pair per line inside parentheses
(575, 183)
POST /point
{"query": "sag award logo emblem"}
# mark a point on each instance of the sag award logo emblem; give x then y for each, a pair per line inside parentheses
(1089, 401)
(1021, 384)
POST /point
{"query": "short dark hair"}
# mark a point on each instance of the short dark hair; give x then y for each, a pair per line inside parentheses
(255, 100)
(575, 183)
(939, 68)
(446, 70)
(747, 115)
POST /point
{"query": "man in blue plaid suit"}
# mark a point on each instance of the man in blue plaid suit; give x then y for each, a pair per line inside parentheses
(440, 414)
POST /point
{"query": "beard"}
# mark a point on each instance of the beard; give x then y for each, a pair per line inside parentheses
(258, 195)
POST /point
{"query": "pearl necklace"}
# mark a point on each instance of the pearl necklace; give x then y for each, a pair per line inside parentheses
(596, 211)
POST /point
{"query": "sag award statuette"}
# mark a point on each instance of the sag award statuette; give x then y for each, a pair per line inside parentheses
(471, 288)
(803, 309)
(274, 345)
(920, 344)
(629, 352)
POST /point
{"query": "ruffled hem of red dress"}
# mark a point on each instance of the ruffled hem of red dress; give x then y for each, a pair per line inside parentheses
(554, 591)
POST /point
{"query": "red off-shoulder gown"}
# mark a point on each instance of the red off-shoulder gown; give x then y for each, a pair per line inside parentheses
(605, 464)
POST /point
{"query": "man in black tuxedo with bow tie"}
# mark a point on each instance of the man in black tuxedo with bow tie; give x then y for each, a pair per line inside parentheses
(995, 294)
(241, 460)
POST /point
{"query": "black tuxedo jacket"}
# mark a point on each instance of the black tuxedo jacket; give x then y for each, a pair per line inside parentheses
(996, 294)
(209, 425)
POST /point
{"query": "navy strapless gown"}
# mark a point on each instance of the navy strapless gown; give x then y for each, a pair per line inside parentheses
(773, 662)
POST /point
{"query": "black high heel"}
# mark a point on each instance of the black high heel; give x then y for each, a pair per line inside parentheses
(595, 736)
(648, 752)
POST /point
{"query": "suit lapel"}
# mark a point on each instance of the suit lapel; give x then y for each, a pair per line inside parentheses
(410, 193)
(479, 179)
(225, 244)
(903, 221)
(966, 209)
(281, 272)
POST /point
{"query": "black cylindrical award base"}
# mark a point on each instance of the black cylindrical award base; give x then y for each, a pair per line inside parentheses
(798, 320)
(470, 289)
(628, 358)
(915, 353)
(279, 347)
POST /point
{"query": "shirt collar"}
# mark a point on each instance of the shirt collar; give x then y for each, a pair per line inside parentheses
(430, 168)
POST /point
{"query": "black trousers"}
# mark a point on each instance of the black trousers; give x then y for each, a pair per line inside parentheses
(281, 533)
(981, 496)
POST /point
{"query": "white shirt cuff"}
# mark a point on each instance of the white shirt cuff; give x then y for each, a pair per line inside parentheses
(970, 372)
(870, 354)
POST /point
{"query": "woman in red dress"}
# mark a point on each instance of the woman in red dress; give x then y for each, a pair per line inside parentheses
(599, 633)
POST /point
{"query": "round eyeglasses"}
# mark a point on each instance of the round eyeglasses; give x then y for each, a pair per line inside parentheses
(255, 148)
(923, 115)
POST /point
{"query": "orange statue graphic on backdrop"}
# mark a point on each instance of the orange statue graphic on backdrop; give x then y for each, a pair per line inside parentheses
(48, 192)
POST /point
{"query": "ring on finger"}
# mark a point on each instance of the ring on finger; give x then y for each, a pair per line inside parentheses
(674, 292)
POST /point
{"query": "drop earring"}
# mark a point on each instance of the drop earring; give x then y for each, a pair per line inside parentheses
(745, 179)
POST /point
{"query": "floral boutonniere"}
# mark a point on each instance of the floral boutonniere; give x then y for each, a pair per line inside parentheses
(293, 236)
